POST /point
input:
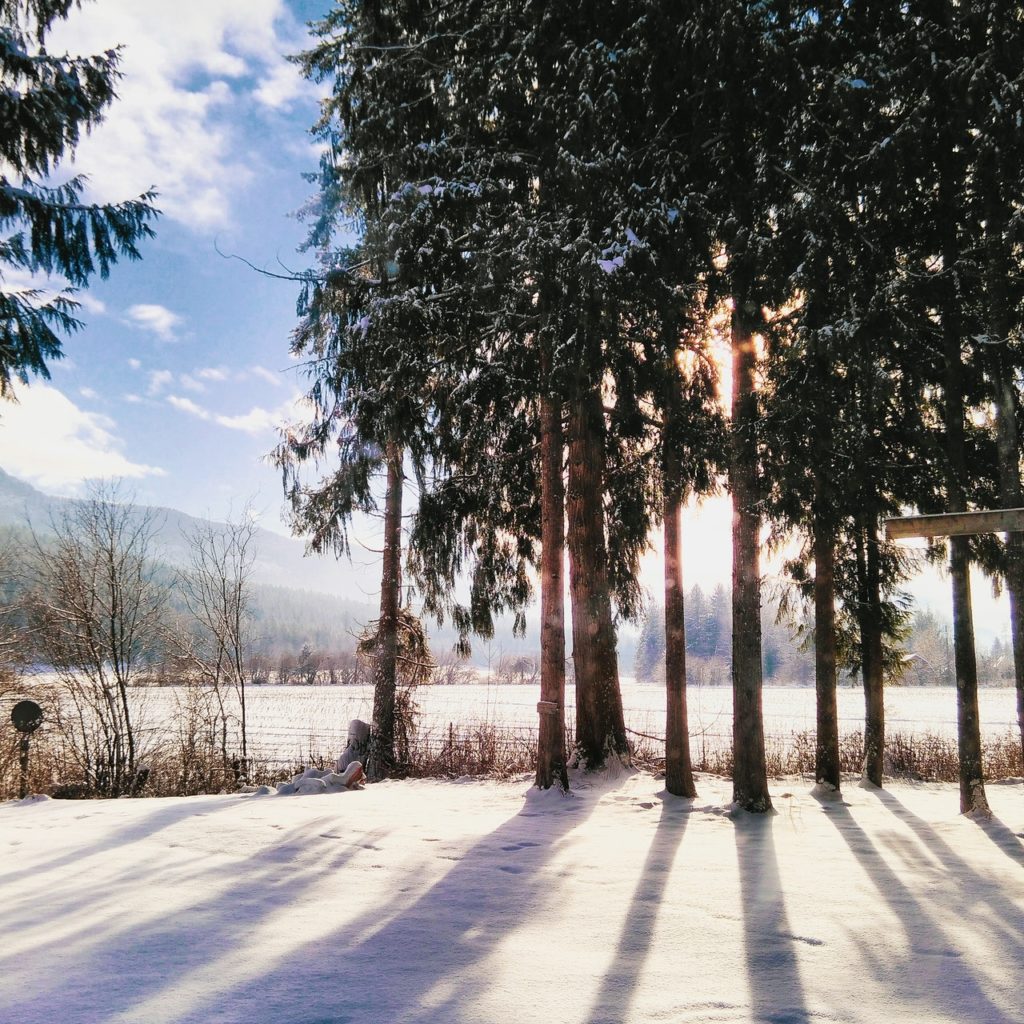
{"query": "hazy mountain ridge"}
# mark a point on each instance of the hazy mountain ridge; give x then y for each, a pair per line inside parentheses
(297, 599)
(280, 561)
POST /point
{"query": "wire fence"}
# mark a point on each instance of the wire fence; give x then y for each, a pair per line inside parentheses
(472, 730)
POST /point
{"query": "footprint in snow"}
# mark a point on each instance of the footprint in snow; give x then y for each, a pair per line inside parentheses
(510, 869)
(514, 847)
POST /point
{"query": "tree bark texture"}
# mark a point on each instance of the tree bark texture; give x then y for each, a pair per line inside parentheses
(826, 748)
(869, 622)
(382, 738)
(823, 529)
(972, 787)
(678, 768)
(951, 182)
(551, 760)
(600, 725)
(750, 773)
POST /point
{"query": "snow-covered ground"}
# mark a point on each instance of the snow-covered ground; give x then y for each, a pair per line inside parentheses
(492, 902)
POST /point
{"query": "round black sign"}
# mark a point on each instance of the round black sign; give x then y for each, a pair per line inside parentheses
(26, 716)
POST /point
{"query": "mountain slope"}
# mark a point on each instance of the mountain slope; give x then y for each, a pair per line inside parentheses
(280, 561)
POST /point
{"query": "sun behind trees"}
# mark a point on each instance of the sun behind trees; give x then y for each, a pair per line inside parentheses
(554, 207)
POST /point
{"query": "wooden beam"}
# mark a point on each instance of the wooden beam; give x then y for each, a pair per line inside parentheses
(956, 524)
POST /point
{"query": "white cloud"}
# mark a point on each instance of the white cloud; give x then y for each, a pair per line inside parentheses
(187, 405)
(185, 66)
(135, 364)
(132, 399)
(281, 86)
(262, 421)
(91, 305)
(88, 393)
(152, 317)
(46, 439)
(213, 373)
(189, 383)
(268, 375)
(254, 422)
(49, 286)
(158, 380)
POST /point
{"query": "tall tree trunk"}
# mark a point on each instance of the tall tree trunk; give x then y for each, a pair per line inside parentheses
(826, 748)
(972, 787)
(551, 760)
(869, 622)
(750, 772)
(381, 759)
(678, 768)
(950, 216)
(600, 726)
(1007, 439)
(823, 530)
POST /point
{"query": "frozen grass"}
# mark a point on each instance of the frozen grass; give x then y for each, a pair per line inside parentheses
(500, 752)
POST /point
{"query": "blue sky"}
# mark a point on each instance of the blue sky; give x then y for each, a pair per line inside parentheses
(181, 376)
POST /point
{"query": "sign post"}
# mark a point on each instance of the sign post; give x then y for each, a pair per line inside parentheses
(26, 717)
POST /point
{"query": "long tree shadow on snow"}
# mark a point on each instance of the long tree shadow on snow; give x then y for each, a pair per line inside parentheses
(953, 861)
(620, 983)
(934, 973)
(1005, 838)
(113, 965)
(422, 960)
(169, 813)
(773, 973)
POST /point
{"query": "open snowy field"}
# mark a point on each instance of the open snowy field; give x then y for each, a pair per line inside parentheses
(288, 722)
(492, 902)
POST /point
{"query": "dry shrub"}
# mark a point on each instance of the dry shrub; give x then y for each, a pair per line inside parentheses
(928, 757)
(482, 750)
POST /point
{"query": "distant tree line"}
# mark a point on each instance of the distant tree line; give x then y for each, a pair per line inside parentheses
(707, 618)
(925, 657)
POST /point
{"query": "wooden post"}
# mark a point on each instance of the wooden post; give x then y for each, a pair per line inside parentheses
(956, 524)
(23, 751)
(960, 525)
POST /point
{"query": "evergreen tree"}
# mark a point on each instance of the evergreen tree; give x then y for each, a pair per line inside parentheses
(361, 358)
(745, 103)
(650, 649)
(46, 104)
(944, 260)
(996, 93)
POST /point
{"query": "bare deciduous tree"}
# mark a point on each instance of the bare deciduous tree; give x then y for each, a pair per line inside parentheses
(12, 643)
(96, 610)
(216, 589)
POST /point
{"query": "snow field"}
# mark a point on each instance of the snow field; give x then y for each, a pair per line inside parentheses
(484, 901)
(288, 722)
